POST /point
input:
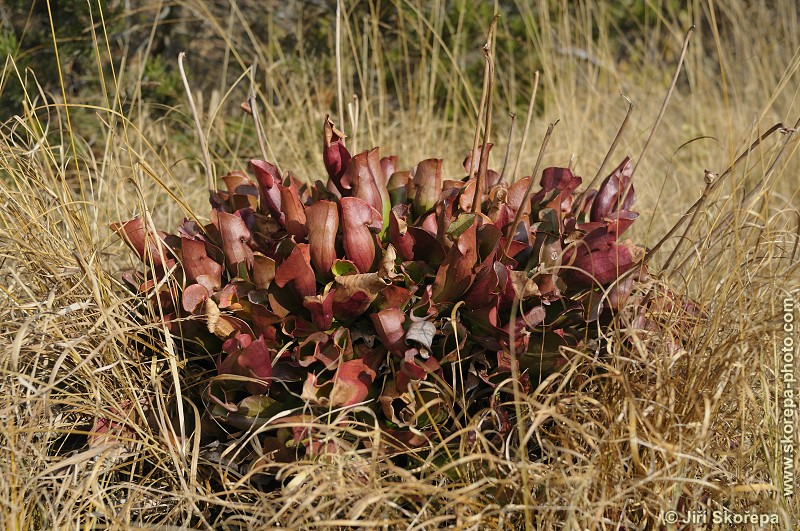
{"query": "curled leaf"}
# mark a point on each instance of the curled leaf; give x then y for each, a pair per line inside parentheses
(297, 270)
(422, 332)
(268, 178)
(401, 239)
(354, 293)
(223, 326)
(608, 198)
(414, 243)
(376, 171)
(485, 287)
(456, 272)
(620, 292)
(618, 222)
(363, 176)
(321, 308)
(389, 326)
(561, 179)
(360, 222)
(369, 282)
(386, 269)
(193, 296)
(524, 287)
(351, 383)
(237, 182)
(249, 358)
(397, 187)
(235, 235)
(492, 177)
(196, 264)
(388, 168)
(147, 245)
(263, 271)
(294, 213)
(425, 185)
(334, 154)
(322, 219)
(516, 195)
(602, 266)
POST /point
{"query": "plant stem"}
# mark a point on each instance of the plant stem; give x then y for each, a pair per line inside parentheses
(610, 152)
(708, 190)
(663, 107)
(518, 214)
(488, 87)
(508, 145)
(527, 126)
(339, 91)
(262, 144)
(201, 137)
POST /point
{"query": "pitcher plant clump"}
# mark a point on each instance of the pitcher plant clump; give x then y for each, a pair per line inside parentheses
(388, 288)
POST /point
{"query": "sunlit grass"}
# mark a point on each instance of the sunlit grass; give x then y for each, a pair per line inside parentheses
(686, 419)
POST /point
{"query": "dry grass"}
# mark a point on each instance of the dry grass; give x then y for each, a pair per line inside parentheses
(685, 418)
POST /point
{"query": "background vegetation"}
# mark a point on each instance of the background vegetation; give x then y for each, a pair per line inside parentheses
(96, 128)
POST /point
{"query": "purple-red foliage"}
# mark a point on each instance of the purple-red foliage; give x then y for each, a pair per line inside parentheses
(375, 286)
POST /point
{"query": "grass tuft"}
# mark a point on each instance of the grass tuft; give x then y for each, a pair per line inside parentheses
(685, 416)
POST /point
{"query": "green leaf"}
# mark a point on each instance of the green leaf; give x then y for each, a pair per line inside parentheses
(342, 268)
(460, 225)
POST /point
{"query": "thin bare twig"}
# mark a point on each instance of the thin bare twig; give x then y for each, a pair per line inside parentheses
(473, 168)
(709, 178)
(339, 91)
(508, 145)
(762, 183)
(610, 151)
(527, 125)
(262, 143)
(663, 107)
(518, 215)
(480, 184)
(746, 200)
(709, 189)
(203, 140)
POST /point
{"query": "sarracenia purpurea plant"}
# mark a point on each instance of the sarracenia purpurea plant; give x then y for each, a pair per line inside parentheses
(388, 287)
(424, 299)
